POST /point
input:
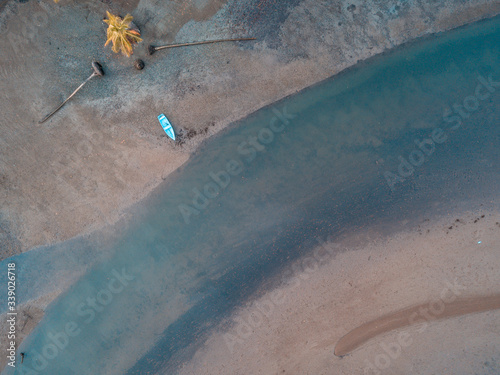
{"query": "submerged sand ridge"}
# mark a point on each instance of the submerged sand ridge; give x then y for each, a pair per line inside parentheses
(105, 149)
(446, 308)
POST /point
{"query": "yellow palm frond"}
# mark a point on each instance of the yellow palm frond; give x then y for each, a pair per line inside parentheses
(120, 35)
(128, 18)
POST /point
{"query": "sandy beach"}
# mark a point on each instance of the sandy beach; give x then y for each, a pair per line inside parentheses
(423, 299)
(105, 150)
(296, 328)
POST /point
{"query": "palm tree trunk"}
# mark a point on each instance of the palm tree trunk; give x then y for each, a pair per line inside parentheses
(153, 49)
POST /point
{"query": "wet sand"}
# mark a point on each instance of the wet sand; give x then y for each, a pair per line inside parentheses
(105, 150)
(323, 300)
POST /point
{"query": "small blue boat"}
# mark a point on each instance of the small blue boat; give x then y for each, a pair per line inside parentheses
(167, 126)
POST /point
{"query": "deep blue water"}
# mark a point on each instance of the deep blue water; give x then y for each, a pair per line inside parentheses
(351, 152)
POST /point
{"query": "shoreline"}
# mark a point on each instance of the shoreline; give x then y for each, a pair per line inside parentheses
(296, 278)
(94, 146)
(294, 325)
(127, 162)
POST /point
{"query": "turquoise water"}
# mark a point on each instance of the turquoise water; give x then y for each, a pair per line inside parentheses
(406, 133)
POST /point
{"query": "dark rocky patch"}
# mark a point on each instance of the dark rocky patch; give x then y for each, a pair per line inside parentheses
(262, 19)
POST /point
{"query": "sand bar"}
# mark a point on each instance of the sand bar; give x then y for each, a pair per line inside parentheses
(406, 317)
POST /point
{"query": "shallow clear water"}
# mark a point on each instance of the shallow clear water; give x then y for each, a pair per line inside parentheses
(330, 159)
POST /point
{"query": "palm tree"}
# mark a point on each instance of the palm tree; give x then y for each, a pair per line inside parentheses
(98, 71)
(120, 33)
